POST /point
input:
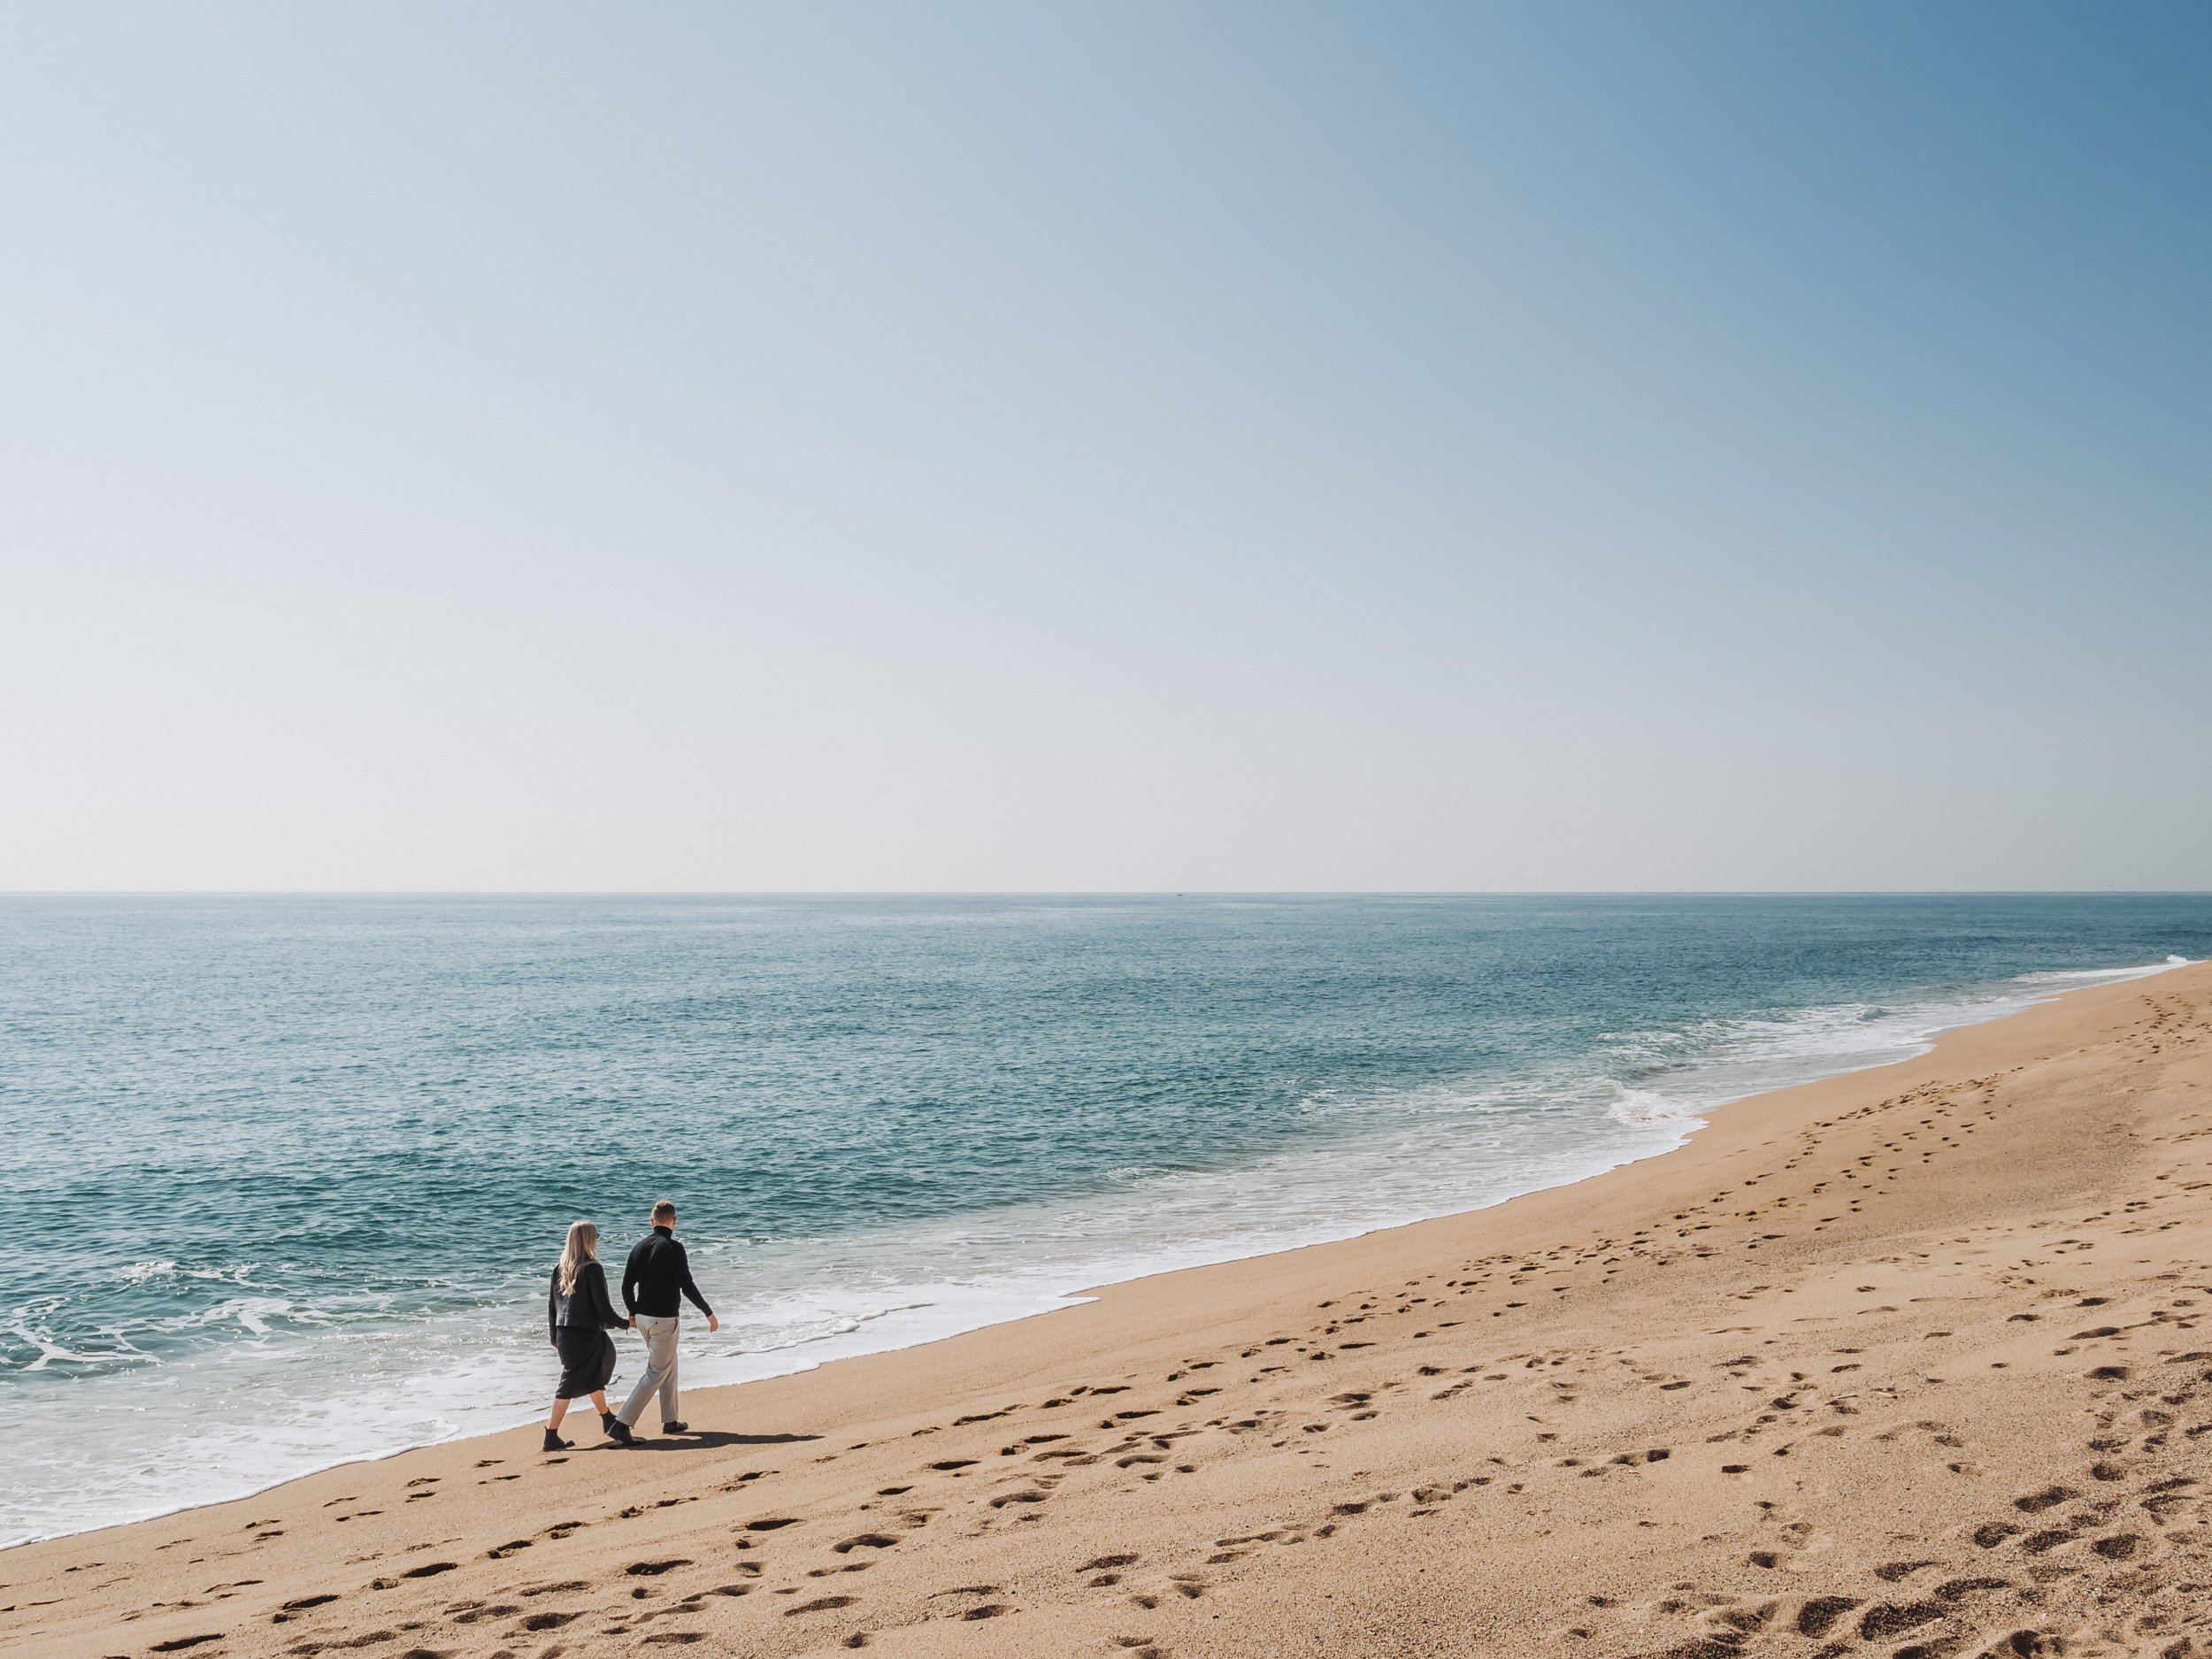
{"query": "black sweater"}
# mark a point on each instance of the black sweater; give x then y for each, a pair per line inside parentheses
(657, 1272)
(586, 1306)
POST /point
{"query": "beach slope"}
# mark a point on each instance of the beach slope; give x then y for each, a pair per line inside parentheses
(1903, 1364)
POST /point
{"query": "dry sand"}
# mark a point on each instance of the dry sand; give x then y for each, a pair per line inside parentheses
(1900, 1363)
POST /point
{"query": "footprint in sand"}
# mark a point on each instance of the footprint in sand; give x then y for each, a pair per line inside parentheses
(1890, 1572)
(471, 1613)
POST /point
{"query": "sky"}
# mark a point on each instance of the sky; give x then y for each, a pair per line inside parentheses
(1105, 446)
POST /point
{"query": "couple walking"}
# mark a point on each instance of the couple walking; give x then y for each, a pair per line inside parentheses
(579, 1313)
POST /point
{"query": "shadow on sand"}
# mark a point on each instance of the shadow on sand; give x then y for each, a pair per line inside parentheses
(702, 1440)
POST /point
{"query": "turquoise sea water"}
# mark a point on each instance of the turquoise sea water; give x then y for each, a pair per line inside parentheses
(286, 1174)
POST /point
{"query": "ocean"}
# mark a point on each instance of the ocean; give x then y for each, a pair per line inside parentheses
(286, 1174)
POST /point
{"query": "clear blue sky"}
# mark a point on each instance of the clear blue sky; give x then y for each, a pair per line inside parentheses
(1154, 446)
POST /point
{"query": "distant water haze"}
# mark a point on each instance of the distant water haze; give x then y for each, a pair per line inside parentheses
(299, 1166)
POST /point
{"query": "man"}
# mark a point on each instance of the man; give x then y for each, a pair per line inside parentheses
(657, 1273)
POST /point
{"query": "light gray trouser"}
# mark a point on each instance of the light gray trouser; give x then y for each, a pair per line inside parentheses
(659, 1332)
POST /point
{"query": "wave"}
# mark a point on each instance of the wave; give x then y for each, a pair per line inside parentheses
(2084, 976)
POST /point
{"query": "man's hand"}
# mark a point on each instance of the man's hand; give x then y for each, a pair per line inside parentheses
(713, 1323)
(634, 1322)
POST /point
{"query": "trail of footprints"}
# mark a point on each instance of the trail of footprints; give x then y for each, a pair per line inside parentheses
(2112, 1556)
(1126, 1440)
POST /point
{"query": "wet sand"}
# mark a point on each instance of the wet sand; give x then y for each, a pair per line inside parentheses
(1902, 1364)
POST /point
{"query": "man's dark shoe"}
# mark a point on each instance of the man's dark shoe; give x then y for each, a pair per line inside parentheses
(619, 1431)
(607, 1420)
(555, 1443)
(675, 1428)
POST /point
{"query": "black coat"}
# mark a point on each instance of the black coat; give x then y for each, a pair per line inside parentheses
(587, 1306)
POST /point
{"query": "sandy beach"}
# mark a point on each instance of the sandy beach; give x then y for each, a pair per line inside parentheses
(1903, 1362)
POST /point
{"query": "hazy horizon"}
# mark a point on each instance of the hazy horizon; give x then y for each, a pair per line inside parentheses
(1098, 892)
(1023, 450)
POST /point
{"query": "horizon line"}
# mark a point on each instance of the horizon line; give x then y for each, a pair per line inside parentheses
(1086, 893)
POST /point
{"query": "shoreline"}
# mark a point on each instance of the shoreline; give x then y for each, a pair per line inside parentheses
(1210, 1483)
(1987, 1005)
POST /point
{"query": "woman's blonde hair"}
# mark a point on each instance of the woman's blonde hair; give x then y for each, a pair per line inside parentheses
(583, 1245)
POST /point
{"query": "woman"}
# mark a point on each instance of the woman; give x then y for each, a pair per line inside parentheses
(577, 1315)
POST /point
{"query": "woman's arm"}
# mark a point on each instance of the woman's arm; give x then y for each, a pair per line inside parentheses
(553, 1308)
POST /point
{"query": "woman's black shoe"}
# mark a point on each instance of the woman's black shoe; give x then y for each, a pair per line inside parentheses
(555, 1443)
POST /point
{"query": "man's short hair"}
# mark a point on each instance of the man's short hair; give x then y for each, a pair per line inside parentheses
(664, 1211)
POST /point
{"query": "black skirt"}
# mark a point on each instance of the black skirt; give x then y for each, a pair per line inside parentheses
(587, 1361)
